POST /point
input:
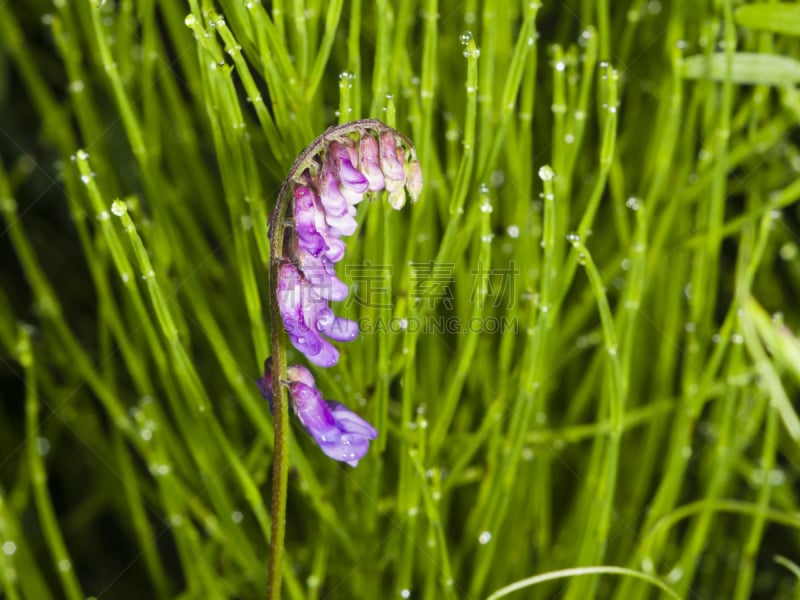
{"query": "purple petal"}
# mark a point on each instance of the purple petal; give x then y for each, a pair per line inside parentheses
(349, 176)
(343, 224)
(341, 330)
(340, 433)
(330, 195)
(369, 162)
(390, 165)
(350, 422)
(305, 221)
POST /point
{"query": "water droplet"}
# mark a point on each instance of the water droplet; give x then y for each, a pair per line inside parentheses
(9, 548)
(573, 238)
(485, 537)
(104, 216)
(546, 173)
(42, 446)
(119, 208)
(87, 177)
(777, 477)
(513, 231)
(675, 575)
(159, 470)
(76, 86)
(465, 37)
(237, 516)
(405, 593)
(486, 207)
(403, 324)
(64, 565)
(737, 339)
(190, 20)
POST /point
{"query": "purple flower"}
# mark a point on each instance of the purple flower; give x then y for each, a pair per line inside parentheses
(339, 432)
(325, 196)
(303, 302)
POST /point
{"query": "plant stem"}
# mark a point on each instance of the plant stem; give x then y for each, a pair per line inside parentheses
(280, 407)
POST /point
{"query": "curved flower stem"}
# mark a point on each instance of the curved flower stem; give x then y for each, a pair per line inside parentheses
(280, 406)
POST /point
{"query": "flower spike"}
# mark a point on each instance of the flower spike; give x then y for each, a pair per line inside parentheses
(326, 184)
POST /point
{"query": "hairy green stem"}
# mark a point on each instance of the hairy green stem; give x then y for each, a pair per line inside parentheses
(280, 408)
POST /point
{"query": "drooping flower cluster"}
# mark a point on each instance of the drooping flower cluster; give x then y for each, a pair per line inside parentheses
(328, 181)
(339, 432)
(325, 197)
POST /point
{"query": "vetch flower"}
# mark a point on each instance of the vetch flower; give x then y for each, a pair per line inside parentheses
(329, 180)
(338, 431)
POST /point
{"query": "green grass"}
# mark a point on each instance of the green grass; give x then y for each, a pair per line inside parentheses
(614, 182)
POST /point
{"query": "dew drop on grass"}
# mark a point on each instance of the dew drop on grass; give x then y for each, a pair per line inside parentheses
(513, 231)
(777, 477)
(405, 593)
(119, 208)
(573, 238)
(237, 516)
(485, 537)
(42, 446)
(9, 548)
(190, 20)
(64, 565)
(675, 575)
(546, 173)
(465, 37)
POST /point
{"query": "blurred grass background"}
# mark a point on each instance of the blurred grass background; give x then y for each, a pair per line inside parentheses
(629, 173)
